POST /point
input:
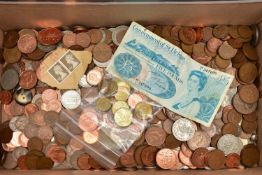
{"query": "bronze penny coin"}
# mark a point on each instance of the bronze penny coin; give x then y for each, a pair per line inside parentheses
(233, 31)
(51, 117)
(12, 55)
(198, 157)
(249, 155)
(250, 52)
(239, 57)
(167, 125)
(226, 51)
(28, 79)
(102, 52)
(187, 35)
(96, 35)
(161, 115)
(222, 63)
(216, 159)
(5, 97)
(225, 113)
(249, 93)
(199, 49)
(30, 161)
(155, 136)
(35, 143)
(232, 160)
(44, 163)
(230, 128)
(128, 160)
(83, 162)
(9, 79)
(165, 158)
(236, 43)
(220, 31)
(37, 54)
(248, 72)
(30, 109)
(16, 109)
(11, 38)
(94, 164)
(249, 127)
(49, 36)
(250, 117)
(137, 155)
(244, 31)
(242, 107)
(171, 142)
(234, 116)
(187, 48)
(38, 118)
(35, 153)
(56, 153)
(148, 155)
(21, 163)
(215, 139)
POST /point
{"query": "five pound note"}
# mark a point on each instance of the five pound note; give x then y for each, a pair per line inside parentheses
(164, 73)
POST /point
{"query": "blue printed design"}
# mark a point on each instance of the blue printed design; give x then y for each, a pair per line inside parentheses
(207, 108)
(127, 65)
(158, 58)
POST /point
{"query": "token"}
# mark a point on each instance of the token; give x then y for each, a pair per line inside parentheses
(249, 127)
(161, 115)
(250, 155)
(183, 129)
(94, 77)
(88, 121)
(83, 39)
(155, 136)
(83, 162)
(229, 143)
(171, 142)
(226, 51)
(187, 35)
(69, 39)
(71, 99)
(119, 104)
(123, 117)
(91, 137)
(35, 143)
(242, 107)
(220, 31)
(198, 157)
(103, 104)
(27, 43)
(250, 52)
(165, 158)
(143, 111)
(9, 79)
(10, 38)
(216, 159)
(200, 139)
(128, 160)
(248, 72)
(102, 52)
(148, 155)
(249, 93)
(49, 36)
(5, 96)
(96, 35)
(233, 160)
(244, 31)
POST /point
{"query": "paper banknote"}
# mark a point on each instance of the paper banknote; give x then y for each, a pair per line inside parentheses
(164, 73)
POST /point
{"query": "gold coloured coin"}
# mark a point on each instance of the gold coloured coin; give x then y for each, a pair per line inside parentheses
(143, 110)
(122, 94)
(112, 88)
(123, 117)
(119, 104)
(103, 104)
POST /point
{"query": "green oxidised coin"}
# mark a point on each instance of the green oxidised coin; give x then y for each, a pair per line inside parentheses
(143, 110)
(103, 104)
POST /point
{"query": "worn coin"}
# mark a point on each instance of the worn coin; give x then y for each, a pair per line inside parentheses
(155, 136)
(247, 72)
(123, 117)
(9, 79)
(249, 93)
(183, 129)
(199, 156)
(200, 139)
(242, 107)
(233, 160)
(35, 143)
(216, 159)
(148, 156)
(143, 110)
(21, 123)
(249, 155)
(128, 160)
(230, 144)
(103, 104)
(71, 99)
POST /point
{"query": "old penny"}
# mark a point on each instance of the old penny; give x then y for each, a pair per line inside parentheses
(35, 143)
(28, 79)
(249, 155)
(128, 160)
(148, 155)
(216, 159)
(165, 158)
(233, 160)
(234, 116)
(249, 126)
(49, 36)
(187, 35)
(242, 107)
(199, 156)
(249, 93)
(248, 72)
(10, 39)
(155, 136)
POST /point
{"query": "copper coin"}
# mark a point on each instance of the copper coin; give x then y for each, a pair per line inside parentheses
(249, 155)
(239, 57)
(51, 117)
(247, 72)
(222, 63)
(242, 107)
(185, 160)
(137, 155)
(220, 31)
(30, 161)
(11, 38)
(244, 31)
(69, 39)
(28, 79)
(83, 39)
(171, 142)
(236, 43)
(30, 109)
(102, 52)
(75, 142)
(226, 51)
(83, 162)
(186, 150)
(96, 35)
(94, 164)
(16, 109)
(12, 55)
(198, 157)
(233, 160)
(230, 128)
(35, 143)
(165, 158)
(91, 137)
(54, 105)
(250, 52)
(148, 155)
(199, 34)
(5, 97)
(27, 43)
(45, 132)
(249, 93)
(37, 54)
(249, 127)
(161, 115)
(216, 159)
(199, 49)
(167, 126)
(21, 163)
(207, 33)
(187, 35)
(88, 121)
(128, 159)
(250, 117)
(155, 136)
(56, 153)
(38, 118)
(213, 44)
(48, 95)
(187, 48)
(49, 36)
(234, 116)
(140, 140)
(44, 163)
(31, 130)
(9, 79)
(166, 31)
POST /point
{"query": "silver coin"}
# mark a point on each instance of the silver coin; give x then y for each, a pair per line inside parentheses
(10, 162)
(21, 123)
(183, 129)
(200, 139)
(243, 108)
(12, 125)
(83, 82)
(71, 99)
(19, 151)
(229, 143)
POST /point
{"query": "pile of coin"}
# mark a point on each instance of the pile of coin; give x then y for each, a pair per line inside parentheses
(47, 128)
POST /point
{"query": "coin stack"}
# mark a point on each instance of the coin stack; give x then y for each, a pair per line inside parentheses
(47, 128)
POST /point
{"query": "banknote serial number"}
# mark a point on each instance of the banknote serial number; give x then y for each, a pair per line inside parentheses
(204, 69)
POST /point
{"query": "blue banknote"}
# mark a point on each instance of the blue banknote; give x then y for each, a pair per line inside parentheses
(164, 73)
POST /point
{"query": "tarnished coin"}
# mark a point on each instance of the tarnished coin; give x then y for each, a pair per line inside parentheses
(9, 79)
(167, 126)
(198, 157)
(171, 142)
(83, 39)
(123, 117)
(10, 38)
(12, 55)
(37, 54)
(248, 72)
(226, 51)
(250, 155)
(242, 107)
(49, 36)
(230, 128)
(45, 132)
(51, 117)
(249, 93)
(71, 99)
(103, 104)
(155, 136)
(5, 97)
(27, 43)
(91, 137)
(96, 35)
(10, 162)
(35, 143)
(128, 159)
(233, 160)
(220, 31)
(102, 52)
(230, 144)
(143, 111)
(44, 163)
(148, 156)
(31, 130)
(187, 35)
(183, 129)
(38, 118)
(234, 116)
(200, 139)
(122, 94)
(244, 31)
(222, 63)
(165, 158)
(216, 159)
(249, 127)
(12, 122)
(21, 123)
(250, 117)
(83, 162)
(28, 79)
(19, 151)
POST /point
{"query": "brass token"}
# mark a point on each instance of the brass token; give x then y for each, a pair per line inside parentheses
(143, 111)
(119, 104)
(103, 104)
(123, 117)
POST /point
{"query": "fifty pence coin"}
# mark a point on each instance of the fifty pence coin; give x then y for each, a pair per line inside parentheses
(229, 143)
(71, 99)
